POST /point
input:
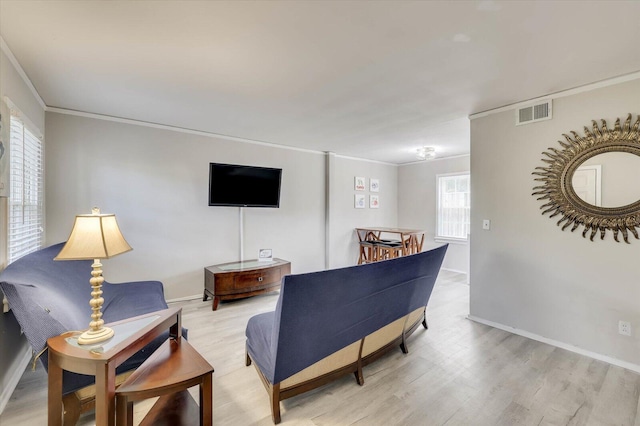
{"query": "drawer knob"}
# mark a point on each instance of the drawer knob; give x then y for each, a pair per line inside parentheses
(259, 278)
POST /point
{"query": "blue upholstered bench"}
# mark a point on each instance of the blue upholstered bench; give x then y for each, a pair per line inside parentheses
(331, 323)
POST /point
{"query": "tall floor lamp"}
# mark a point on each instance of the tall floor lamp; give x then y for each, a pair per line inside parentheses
(94, 236)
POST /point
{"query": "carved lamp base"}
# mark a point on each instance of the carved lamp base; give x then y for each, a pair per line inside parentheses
(95, 336)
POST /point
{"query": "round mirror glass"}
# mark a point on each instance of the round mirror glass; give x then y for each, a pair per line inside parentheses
(608, 180)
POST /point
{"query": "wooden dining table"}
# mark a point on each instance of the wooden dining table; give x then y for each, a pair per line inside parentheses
(411, 239)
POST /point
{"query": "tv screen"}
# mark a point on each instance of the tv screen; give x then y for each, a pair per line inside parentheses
(244, 186)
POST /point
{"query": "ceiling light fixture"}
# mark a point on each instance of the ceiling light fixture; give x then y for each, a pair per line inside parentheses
(426, 153)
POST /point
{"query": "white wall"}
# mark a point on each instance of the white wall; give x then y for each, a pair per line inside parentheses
(345, 217)
(156, 182)
(526, 272)
(417, 204)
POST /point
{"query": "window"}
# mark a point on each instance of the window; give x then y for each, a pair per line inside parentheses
(453, 214)
(26, 193)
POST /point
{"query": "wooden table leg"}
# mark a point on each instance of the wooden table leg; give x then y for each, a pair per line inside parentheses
(175, 331)
(412, 244)
(105, 395)
(55, 409)
(419, 243)
(405, 244)
(124, 411)
(206, 400)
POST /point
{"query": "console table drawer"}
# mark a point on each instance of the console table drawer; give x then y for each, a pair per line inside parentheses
(258, 279)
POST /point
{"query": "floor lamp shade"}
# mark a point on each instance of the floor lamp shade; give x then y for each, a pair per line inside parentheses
(94, 236)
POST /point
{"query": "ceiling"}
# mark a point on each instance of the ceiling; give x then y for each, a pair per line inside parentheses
(373, 80)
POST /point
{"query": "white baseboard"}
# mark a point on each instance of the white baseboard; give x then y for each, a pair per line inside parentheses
(558, 344)
(16, 374)
(185, 298)
(457, 271)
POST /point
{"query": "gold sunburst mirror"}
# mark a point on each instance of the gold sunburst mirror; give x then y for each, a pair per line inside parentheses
(557, 188)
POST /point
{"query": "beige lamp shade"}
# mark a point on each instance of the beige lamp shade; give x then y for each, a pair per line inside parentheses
(94, 236)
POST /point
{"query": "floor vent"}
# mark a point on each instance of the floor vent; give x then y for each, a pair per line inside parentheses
(532, 113)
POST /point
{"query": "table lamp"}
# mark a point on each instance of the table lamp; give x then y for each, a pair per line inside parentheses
(94, 236)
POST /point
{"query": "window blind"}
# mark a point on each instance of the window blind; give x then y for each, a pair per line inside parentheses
(454, 212)
(26, 194)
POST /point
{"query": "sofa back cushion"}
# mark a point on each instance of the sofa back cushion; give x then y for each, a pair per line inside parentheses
(319, 313)
(48, 297)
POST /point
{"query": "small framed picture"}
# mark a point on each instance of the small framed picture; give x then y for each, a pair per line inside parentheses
(374, 185)
(360, 201)
(265, 255)
(374, 202)
(360, 183)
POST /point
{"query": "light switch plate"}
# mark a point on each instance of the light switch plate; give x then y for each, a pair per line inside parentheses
(486, 224)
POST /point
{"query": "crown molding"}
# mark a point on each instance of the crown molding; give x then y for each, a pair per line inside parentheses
(366, 160)
(569, 92)
(5, 48)
(178, 129)
(452, 157)
(198, 132)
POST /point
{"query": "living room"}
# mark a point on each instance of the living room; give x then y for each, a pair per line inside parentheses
(526, 275)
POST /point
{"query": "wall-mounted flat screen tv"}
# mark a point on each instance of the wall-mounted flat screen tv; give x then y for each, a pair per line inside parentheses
(244, 186)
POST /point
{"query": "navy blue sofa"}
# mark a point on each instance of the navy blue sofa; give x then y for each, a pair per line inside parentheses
(330, 323)
(51, 297)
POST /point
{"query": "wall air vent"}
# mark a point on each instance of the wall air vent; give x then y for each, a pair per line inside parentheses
(536, 112)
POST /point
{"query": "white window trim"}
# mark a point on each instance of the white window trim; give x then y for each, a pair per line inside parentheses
(15, 111)
(442, 239)
(452, 240)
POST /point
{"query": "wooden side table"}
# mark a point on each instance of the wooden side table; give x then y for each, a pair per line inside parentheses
(168, 373)
(101, 360)
(236, 280)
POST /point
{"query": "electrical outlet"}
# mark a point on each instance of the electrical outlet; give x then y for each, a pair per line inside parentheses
(624, 328)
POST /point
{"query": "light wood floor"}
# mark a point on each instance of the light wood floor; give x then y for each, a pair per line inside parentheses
(456, 373)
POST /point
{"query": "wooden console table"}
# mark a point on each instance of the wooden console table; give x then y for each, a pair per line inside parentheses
(236, 280)
(101, 360)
